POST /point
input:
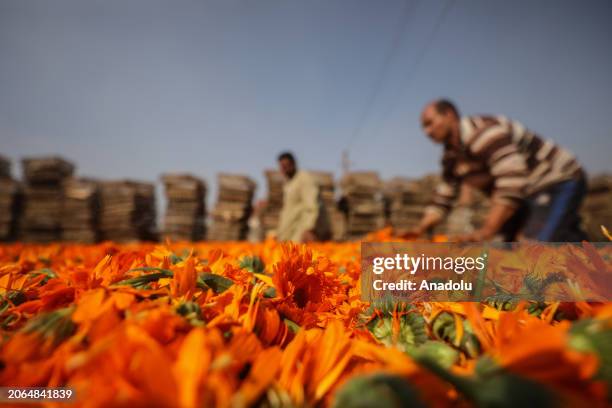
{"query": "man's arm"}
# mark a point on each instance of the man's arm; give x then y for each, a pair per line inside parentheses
(499, 213)
(430, 219)
(310, 208)
(444, 196)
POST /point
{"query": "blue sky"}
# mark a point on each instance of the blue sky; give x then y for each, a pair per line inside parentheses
(136, 88)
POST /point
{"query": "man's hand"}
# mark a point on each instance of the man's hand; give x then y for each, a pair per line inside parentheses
(413, 233)
(309, 236)
(429, 220)
(498, 215)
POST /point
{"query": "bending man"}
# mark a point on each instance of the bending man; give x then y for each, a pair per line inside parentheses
(536, 187)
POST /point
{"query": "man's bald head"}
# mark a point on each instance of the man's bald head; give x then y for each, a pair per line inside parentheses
(440, 120)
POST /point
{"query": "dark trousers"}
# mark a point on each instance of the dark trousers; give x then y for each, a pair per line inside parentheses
(550, 215)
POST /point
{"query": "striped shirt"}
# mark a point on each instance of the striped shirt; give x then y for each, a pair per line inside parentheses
(502, 158)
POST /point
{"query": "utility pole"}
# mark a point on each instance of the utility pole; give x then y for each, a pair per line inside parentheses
(346, 163)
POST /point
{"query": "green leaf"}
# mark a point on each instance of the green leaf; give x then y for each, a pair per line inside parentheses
(174, 259)
(443, 327)
(594, 336)
(217, 283)
(192, 312)
(253, 264)
(437, 351)
(141, 282)
(293, 326)
(152, 269)
(509, 390)
(377, 390)
(387, 306)
(269, 292)
(412, 325)
(47, 272)
(12, 297)
(188, 308)
(502, 301)
(8, 321)
(498, 389)
(56, 325)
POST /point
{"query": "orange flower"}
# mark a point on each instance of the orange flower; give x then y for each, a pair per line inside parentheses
(191, 366)
(261, 376)
(132, 320)
(184, 281)
(305, 287)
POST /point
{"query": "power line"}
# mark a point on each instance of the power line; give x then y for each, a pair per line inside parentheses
(377, 85)
(421, 55)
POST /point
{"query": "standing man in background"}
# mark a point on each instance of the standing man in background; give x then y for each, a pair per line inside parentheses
(536, 187)
(303, 217)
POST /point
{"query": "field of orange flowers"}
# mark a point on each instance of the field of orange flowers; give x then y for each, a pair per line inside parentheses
(277, 325)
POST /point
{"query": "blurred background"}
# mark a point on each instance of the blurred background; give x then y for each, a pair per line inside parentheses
(134, 89)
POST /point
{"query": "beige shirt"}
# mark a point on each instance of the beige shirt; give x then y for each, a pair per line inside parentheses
(301, 207)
